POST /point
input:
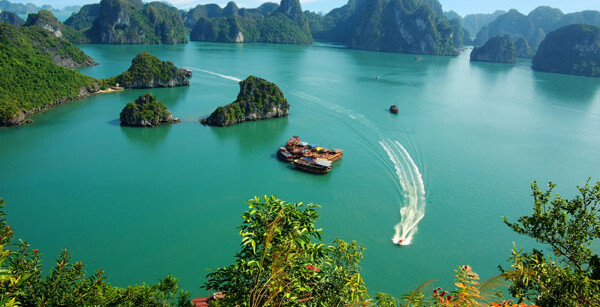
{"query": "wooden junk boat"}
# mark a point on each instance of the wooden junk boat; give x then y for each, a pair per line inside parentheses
(309, 158)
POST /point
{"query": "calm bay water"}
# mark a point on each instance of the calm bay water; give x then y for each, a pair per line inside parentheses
(144, 203)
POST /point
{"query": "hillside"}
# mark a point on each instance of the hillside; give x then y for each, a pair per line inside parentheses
(573, 50)
(407, 26)
(44, 19)
(285, 24)
(132, 22)
(30, 81)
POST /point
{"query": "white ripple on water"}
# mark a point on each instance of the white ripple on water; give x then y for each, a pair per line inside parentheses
(413, 189)
(216, 74)
(408, 178)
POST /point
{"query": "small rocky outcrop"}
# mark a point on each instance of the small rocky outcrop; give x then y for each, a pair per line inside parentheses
(148, 71)
(146, 111)
(523, 48)
(499, 49)
(12, 18)
(573, 50)
(258, 99)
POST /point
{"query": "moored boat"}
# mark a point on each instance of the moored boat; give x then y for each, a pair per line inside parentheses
(315, 166)
(284, 155)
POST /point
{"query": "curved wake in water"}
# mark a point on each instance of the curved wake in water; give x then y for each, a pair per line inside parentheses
(408, 177)
(216, 74)
(413, 189)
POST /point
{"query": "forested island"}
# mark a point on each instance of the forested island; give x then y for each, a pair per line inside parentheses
(258, 99)
(573, 50)
(499, 49)
(148, 71)
(32, 78)
(35, 75)
(146, 111)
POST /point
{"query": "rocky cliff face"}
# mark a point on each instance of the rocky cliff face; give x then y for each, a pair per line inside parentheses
(573, 50)
(285, 24)
(61, 51)
(390, 25)
(523, 48)
(146, 111)
(45, 20)
(147, 71)
(258, 99)
(84, 19)
(499, 49)
(133, 22)
(12, 18)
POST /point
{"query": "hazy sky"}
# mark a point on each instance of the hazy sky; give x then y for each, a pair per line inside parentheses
(461, 6)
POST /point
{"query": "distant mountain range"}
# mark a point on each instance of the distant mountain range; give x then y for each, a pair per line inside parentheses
(407, 26)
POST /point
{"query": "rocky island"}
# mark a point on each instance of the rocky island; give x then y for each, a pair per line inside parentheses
(33, 77)
(148, 71)
(287, 24)
(573, 50)
(131, 22)
(499, 49)
(417, 27)
(45, 20)
(146, 111)
(258, 99)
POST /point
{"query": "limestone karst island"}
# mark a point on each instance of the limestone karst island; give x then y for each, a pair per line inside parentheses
(310, 153)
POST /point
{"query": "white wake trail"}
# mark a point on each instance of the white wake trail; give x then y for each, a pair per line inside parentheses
(217, 74)
(410, 181)
(408, 178)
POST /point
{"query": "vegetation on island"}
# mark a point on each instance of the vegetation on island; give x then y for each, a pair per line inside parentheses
(30, 80)
(405, 26)
(573, 49)
(44, 19)
(146, 111)
(283, 262)
(84, 19)
(535, 26)
(499, 49)
(132, 22)
(258, 99)
(148, 71)
(285, 24)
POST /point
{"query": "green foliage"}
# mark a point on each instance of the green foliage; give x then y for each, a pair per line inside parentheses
(46, 20)
(568, 276)
(409, 26)
(573, 49)
(148, 71)
(283, 262)
(265, 25)
(84, 19)
(22, 283)
(256, 100)
(151, 23)
(145, 111)
(500, 49)
(29, 79)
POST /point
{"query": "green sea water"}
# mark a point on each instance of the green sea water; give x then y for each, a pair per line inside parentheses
(144, 203)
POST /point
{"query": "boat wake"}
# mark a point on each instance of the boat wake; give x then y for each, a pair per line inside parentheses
(411, 184)
(217, 74)
(407, 177)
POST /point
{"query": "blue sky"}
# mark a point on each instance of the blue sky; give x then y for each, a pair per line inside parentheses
(461, 6)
